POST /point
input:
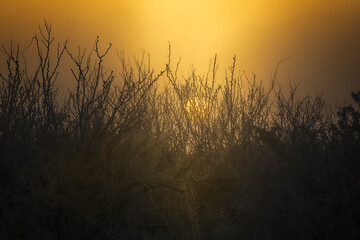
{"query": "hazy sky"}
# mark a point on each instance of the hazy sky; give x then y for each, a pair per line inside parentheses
(322, 37)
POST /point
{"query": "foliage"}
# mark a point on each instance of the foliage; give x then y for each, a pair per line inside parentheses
(125, 156)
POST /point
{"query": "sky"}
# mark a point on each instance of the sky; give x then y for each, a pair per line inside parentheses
(321, 37)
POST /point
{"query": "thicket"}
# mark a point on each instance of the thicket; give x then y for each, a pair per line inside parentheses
(139, 154)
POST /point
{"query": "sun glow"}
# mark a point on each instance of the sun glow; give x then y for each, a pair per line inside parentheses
(197, 108)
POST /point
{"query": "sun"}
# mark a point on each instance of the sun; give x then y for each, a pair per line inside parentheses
(197, 108)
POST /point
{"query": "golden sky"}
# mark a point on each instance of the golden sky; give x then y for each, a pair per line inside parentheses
(322, 37)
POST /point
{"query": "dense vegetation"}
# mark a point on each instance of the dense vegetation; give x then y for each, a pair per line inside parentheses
(124, 156)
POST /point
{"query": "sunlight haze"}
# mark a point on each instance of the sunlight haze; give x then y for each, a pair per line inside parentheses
(321, 37)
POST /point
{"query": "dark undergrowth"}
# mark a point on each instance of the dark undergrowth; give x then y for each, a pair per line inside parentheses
(139, 154)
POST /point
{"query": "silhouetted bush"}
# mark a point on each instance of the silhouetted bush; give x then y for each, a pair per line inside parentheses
(145, 155)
